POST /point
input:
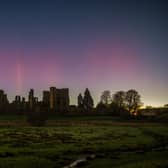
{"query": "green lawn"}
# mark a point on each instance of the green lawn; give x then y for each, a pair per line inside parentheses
(57, 146)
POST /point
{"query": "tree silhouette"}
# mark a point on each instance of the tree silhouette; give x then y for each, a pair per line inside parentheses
(106, 97)
(80, 101)
(101, 108)
(118, 103)
(166, 105)
(119, 98)
(133, 101)
(88, 101)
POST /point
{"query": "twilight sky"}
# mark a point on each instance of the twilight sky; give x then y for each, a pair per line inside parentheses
(100, 44)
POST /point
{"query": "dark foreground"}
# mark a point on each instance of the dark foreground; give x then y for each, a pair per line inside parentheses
(83, 143)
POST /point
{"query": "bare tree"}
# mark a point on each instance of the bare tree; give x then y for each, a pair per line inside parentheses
(133, 101)
(119, 98)
(105, 97)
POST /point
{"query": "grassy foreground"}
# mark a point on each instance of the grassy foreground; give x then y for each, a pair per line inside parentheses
(114, 145)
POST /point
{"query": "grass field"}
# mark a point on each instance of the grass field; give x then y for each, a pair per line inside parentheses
(61, 142)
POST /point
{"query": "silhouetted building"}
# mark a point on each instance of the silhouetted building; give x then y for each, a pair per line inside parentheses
(62, 100)
(16, 105)
(59, 99)
(31, 99)
(46, 98)
(149, 112)
(3, 97)
(53, 98)
(24, 104)
(35, 100)
(3, 101)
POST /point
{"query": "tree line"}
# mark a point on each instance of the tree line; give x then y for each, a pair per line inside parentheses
(121, 103)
